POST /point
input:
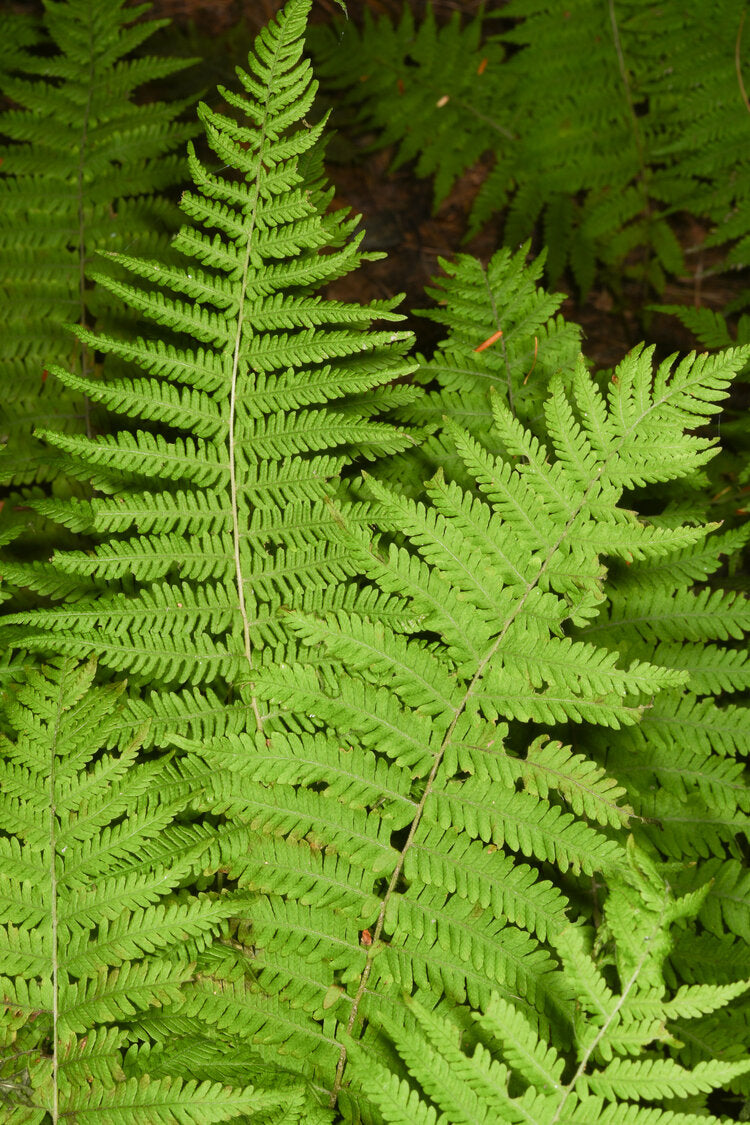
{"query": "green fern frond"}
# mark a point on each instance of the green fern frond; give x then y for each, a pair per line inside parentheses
(95, 924)
(402, 817)
(81, 169)
(503, 1070)
(688, 800)
(218, 514)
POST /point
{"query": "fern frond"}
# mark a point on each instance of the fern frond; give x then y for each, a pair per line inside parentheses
(82, 166)
(504, 1070)
(645, 104)
(503, 334)
(424, 865)
(95, 926)
(420, 85)
(248, 427)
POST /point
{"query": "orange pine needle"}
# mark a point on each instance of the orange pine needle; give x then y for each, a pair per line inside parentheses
(482, 66)
(490, 340)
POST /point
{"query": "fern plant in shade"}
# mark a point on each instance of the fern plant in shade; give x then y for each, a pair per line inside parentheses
(409, 828)
(602, 121)
(82, 165)
(501, 1069)
(443, 87)
(503, 334)
(100, 918)
(254, 392)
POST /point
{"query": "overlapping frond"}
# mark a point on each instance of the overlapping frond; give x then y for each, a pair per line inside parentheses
(682, 766)
(400, 833)
(503, 334)
(602, 121)
(97, 922)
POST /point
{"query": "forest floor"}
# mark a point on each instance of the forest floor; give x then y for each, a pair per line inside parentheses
(397, 206)
(399, 218)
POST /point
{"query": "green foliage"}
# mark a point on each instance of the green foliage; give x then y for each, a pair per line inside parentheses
(453, 821)
(381, 846)
(98, 919)
(603, 121)
(82, 162)
(503, 336)
(501, 1070)
(253, 395)
(399, 75)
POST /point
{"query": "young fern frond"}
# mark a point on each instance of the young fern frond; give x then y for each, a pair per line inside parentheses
(82, 166)
(256, 392)
(503, 335)
(99, 921)
(501, 1070)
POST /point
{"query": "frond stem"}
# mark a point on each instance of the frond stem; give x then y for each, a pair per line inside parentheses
(239, 579)
(55, 1110)
(586, 1057)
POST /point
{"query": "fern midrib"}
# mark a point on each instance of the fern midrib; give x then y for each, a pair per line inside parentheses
(458, 712)
(233, 487)
(55, 1111)
(611, 1018)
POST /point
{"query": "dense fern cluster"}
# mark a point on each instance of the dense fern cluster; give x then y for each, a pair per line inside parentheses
(602, 120)
(423, 800)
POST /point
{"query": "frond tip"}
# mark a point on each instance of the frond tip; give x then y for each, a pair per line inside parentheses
(254, 392)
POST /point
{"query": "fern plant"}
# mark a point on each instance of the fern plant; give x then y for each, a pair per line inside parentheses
(402, 718)
(602, 122)
(682, 767)
(99, 920)
(82, 165)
